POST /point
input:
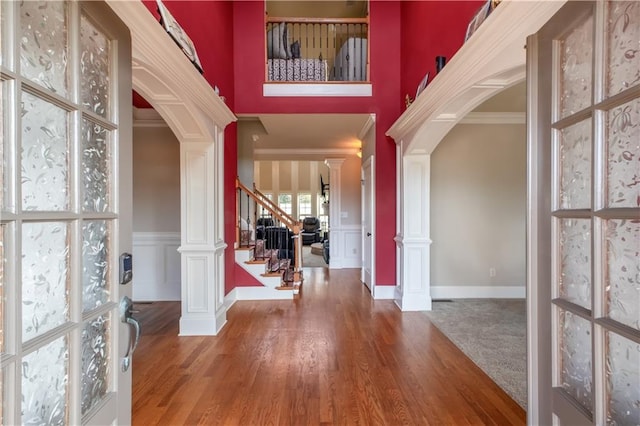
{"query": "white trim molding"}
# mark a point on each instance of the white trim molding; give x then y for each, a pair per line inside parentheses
(384, 292)
(318, 89)
(494, 118)
(478, 292)
(147, 117)
(257, 293)
(370, 123)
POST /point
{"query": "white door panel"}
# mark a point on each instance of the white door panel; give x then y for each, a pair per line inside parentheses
(65, 212)
(584, 203)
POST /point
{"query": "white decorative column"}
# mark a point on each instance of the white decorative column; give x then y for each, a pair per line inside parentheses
(202, 242)
(336, 234)
(413, 291)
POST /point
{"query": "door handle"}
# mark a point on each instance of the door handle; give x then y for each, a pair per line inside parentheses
(126, 316)
(368, 234)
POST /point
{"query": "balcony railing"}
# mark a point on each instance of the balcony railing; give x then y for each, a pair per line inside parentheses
(317, 49)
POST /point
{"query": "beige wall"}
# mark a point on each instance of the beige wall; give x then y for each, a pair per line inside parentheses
(156, 180)
(351, 189)
(478, 195)
(304, 176)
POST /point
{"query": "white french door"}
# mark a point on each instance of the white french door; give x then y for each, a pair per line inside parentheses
(65, 213)
(368, 204)
(584, 215)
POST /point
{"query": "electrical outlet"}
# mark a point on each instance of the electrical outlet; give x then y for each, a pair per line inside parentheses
(492, 272)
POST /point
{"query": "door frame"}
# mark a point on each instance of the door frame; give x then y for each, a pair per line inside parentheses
(370, 164)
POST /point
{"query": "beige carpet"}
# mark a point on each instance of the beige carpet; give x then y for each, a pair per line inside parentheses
(492, 332)
(311, 260)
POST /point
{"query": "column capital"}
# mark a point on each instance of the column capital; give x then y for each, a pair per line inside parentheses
(334, 162)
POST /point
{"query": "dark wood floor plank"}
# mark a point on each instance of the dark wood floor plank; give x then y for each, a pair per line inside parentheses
(333, 356)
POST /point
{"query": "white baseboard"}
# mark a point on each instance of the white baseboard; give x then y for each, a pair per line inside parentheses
(202, 326)
(382, 292)
(259, 293)
(478, 292)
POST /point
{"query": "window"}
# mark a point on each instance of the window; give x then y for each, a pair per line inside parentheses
(304, 204)
(262, 212)
(284, 202)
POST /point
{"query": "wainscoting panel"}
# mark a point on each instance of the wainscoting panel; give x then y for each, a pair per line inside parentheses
(352, 246)
(156, 266)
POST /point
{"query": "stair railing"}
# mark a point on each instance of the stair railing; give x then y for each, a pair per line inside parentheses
(275, 211)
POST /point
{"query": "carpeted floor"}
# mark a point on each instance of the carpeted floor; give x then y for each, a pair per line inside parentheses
(492, 332)
(311, 260)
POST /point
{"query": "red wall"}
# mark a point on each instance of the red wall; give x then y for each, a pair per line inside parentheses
(430, 29)
(385, 76)
(209, 24)
(406, 36)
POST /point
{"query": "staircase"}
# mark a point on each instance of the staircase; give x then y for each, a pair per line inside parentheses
(269, 249)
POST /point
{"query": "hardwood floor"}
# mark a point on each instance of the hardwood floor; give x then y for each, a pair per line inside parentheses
(333, 356)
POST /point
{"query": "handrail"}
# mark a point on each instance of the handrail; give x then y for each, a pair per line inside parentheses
(299, 20)
(288, 221)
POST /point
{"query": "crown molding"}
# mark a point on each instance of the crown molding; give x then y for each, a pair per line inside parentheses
(494, 118)
(371, 121)
(147, 117)
(491, 60)
(306, 151)
(166, 78)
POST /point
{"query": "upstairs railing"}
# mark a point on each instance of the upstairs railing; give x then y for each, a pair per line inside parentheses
(280, 232)
(317, 49)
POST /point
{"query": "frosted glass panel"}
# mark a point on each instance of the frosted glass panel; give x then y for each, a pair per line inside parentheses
(45, 277)
(575, 267)
(5, 123)
(575, 166)
(95, 361)
(623, 271)
(623, 45)
(575, 357)
(43, 43)
(623, 381)
(3, 261)
(96, 167)
(94, 68)
(45, 379)
(95, 264)
(576, 68)
(44, 153)
(623, 167)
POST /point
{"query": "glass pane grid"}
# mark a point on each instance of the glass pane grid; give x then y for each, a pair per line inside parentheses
(45, 382)
(45, 277)
(3, 261)
(96, 167)
(574, 277)
(96, 266)
(575, 161)
(575, 357)
(622, 380)
(623, 156)
(44, 155)
(622, 271)
(94, 68)
(576, 68)
(623, 46)
(44, 45)
(96, 348)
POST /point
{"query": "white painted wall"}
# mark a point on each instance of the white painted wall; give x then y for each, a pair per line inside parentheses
(478, 195)
(156, 214)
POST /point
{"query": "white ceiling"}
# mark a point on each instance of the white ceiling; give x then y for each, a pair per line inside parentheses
(289, 136)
